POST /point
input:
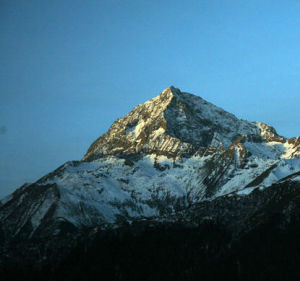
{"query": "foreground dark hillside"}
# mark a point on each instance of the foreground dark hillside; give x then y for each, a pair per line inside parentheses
(174, 252)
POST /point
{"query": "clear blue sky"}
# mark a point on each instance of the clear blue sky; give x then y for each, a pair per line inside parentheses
(68, 69)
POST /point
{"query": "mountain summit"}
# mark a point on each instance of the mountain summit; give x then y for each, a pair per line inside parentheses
(174, 124)
(175, 158)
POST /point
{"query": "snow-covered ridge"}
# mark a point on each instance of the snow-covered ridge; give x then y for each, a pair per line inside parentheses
(102, 191)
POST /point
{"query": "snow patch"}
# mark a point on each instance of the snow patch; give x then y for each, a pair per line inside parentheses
(246, 191)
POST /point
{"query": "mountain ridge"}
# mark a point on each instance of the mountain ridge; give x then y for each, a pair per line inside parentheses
(159, 140)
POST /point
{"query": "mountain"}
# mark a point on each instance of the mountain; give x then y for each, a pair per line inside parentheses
(174, 162)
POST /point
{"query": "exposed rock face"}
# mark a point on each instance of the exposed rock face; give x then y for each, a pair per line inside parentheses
(173, 124)
(174, 158)
(269, 134)
(292, 148)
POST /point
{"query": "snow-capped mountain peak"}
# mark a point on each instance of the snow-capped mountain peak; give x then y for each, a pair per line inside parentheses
(167, 154)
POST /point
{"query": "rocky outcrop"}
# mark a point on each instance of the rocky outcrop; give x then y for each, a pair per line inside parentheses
(175, 124)
(292, 148)
(269, 134)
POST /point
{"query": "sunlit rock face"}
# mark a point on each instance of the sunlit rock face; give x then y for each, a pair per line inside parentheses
(292, 148)
(166, 155)
(175, 124)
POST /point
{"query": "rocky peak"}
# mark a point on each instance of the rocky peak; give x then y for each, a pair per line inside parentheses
(175, 124)
(269, 133)
(142, 130)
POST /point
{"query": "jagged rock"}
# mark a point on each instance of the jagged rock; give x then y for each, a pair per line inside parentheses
(269, 134)
(293, 148)
(174, 123)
